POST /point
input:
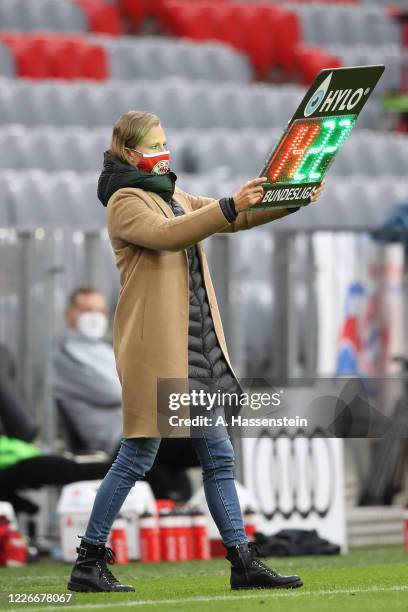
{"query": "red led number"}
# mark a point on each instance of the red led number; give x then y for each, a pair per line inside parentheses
(308, 149)
(292, 150)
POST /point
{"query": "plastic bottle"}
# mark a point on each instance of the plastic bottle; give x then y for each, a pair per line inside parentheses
(119, 540)
(168, 535)
(250, 523)
(183, 534)
(199, 528)
(149, 538)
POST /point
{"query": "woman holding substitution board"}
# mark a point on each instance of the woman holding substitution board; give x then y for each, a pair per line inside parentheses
(167, 326)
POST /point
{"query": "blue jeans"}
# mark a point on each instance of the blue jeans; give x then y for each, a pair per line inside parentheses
(136, 456)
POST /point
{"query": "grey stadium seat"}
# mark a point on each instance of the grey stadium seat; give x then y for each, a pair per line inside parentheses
(179, 103)
(28, 201)
(41, 15)
(154, 58)
(6, 218)
(242, 152)
(7, 64)
(13, 153)
(69, 199)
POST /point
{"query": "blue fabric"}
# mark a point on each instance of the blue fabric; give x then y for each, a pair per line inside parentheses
(136, 456)
(395, 227)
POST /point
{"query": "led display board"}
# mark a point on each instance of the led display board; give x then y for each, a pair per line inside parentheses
(315, 135)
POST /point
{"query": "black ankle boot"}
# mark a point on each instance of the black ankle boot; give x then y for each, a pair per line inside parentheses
(248, 572)
(90, 574)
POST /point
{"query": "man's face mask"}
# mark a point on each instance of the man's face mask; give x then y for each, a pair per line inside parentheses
(155, 163)
(92, 324)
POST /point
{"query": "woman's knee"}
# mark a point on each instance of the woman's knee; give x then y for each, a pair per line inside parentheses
(136, 456)
(219, 455)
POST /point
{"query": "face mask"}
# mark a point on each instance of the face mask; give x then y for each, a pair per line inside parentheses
(92, 324)
(156, 163)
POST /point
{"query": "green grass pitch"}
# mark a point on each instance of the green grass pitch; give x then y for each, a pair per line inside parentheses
(366, 579)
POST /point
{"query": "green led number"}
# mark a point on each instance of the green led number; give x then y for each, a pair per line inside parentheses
(317, 158)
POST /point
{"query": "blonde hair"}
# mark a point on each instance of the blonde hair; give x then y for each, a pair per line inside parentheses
(129, 130)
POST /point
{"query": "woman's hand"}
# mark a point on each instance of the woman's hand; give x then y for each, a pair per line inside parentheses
(249, 194)
(318, 192)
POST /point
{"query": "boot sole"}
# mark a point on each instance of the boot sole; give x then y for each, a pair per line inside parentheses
(291, 585)
(81, 588)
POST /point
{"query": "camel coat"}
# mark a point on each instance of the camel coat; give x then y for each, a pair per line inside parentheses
(150, 329)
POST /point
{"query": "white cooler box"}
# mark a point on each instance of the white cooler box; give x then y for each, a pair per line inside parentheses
(75, 505)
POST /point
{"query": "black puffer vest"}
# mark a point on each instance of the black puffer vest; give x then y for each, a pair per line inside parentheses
(205, 358)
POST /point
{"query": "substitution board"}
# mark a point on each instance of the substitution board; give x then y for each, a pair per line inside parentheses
(315, 135)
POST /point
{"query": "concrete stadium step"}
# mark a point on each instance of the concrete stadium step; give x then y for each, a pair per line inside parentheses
(370, 525)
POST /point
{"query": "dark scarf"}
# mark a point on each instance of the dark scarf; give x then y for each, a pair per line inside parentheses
(116, 174)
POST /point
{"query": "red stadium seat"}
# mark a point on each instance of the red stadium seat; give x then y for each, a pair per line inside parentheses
(288, 36)
(156, 7)
(94, 63)
(8, 37)
(102, 18)
(230, 25)
(65, 58)
(262, 23)
(199, 22)
(60, 56)
(267, 33)
(311, 60)
(174, 16)
(30, 56)
(135, 10)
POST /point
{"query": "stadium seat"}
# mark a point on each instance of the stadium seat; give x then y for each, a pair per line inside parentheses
(68, 199)
(261, 44)
(7, 61)
(101, 17)
(28, 200)
(65, 58)
(180, 103)
(343, 24)
(13, 152)
(94, 63)
(172, 16)
(60, 15)
(6, 218)
(391, 55)
(134, 11)
(230, 25)
(153, 58)
(310, 61)
(92, 213)
(243, 26)
(30, 57)
(193, 150)
(42, 56)
(199, 22)
(289, 36)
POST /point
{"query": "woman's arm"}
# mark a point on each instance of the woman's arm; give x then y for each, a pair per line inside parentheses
(130, 219)
(245, 220)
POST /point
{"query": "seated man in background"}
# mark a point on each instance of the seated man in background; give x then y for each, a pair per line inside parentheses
(85, 381)
(87, 388)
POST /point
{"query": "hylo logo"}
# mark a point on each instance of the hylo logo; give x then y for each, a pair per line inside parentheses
(336, 99)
